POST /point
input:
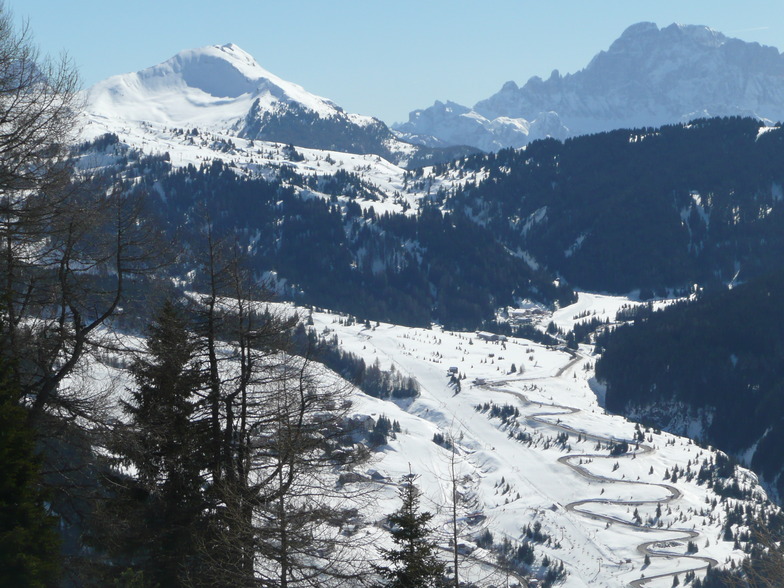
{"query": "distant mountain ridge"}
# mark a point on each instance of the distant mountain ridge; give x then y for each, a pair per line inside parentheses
(221, 88)
(648, 77)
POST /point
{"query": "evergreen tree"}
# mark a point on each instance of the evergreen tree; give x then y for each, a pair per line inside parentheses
(413, 562)
(166, 445)
(29, 545)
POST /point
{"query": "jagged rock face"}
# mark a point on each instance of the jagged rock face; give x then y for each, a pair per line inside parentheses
(648, 77)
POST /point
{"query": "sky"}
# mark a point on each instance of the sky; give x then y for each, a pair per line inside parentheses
(380, 58)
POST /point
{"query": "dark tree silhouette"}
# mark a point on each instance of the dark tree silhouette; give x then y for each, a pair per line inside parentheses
(413, 562)
(166, 444)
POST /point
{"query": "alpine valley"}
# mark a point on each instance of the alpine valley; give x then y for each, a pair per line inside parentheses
(561, 309)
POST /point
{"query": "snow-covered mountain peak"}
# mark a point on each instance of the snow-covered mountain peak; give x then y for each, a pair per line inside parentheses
(223, 91)
(222, 71)
(212, 86)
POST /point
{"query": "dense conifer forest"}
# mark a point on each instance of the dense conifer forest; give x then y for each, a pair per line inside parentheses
(722, 356)
(409, 269)
(651, 209)
(642, 208)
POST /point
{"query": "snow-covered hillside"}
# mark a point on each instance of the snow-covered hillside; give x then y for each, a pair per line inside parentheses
(516, 428)
(393, 187)
(546, 457)
(648, 77)
(199, 106)
(531, 443)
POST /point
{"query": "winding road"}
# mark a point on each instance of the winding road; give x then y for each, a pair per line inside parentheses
(672, 493)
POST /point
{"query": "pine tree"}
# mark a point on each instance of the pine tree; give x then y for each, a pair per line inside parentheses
(167, 444)
(413, 562)
(29, 545)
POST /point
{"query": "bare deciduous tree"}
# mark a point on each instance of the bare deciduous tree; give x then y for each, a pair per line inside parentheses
(37, 122)
(303, 516)
(279, 442)
(38, 110)
(68, 243)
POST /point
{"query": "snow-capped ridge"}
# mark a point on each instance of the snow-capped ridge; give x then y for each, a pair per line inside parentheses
(649, 76)
(215, 84)
(222, 89)
(219, 70)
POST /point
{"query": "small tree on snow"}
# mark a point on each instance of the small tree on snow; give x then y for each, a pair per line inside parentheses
(412, 562)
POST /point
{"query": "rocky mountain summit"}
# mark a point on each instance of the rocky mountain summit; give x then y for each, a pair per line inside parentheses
(648, 77)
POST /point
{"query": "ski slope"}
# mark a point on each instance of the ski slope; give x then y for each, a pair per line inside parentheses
(585, 499)
(549, 463)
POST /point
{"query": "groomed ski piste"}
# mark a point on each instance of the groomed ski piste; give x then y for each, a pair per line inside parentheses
(549, 463)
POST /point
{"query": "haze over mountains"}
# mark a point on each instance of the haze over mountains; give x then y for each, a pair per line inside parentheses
(648, 77)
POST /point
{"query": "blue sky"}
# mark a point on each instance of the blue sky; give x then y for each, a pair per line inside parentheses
(383, 58)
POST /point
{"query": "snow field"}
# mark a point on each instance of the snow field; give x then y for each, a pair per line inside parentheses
(547, 463)
(518, 483)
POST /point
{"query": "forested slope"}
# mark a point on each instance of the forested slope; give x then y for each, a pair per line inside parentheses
(644, 208)
(723, 354)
